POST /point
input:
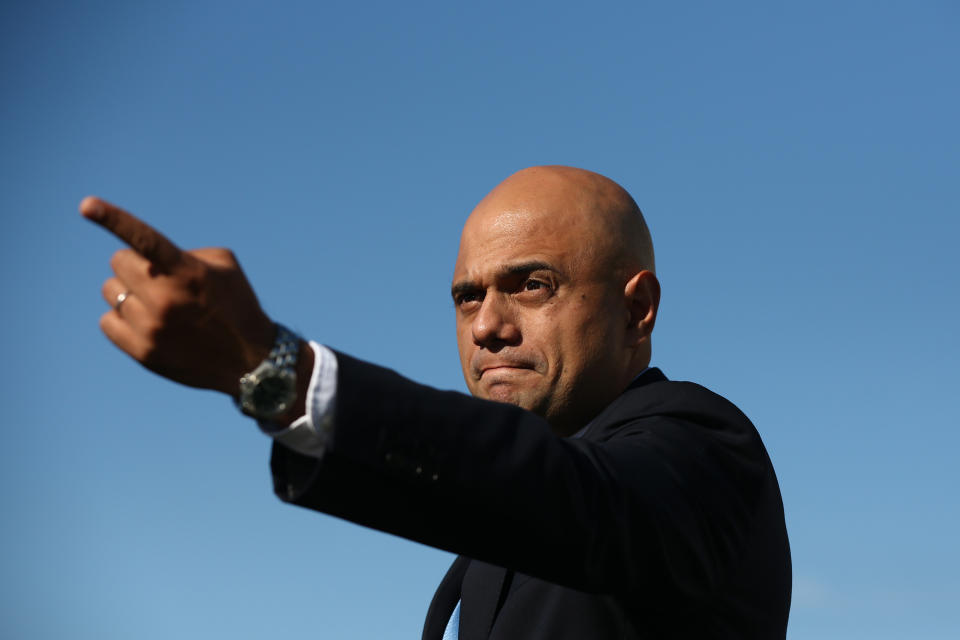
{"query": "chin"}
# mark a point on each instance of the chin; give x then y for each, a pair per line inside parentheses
(505, 393)
(499, 393)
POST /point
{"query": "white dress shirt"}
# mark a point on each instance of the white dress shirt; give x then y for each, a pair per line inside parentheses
(308, 434)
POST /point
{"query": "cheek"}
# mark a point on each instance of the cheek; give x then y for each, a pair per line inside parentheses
(584, 341)
(465, 348)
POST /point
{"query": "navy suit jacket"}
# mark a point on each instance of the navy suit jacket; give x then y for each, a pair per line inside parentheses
(663, 520)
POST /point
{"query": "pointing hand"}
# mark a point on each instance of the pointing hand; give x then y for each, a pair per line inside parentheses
(190, 316)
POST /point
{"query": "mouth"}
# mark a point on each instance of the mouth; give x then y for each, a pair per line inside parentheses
(506, 368)
(485, 366)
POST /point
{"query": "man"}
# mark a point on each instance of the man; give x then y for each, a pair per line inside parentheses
(591, 499)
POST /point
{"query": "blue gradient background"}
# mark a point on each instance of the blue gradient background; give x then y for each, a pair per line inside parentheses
(798, 165)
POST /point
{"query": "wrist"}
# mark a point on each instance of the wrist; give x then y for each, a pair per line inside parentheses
(256, 348)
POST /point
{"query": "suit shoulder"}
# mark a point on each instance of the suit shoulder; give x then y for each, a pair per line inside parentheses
(683, 401)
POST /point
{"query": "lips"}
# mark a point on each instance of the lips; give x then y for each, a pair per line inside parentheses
(502, 367)
(482, 368)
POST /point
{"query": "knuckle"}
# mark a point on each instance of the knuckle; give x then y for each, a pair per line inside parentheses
(144, 242)
(217, 257)
(153, 332)
(118, 258)
(166, 303)
(146, 353)
(176, 307)
(194, 281)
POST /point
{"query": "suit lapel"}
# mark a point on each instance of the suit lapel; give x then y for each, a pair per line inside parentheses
(444, 600)
(482, 596)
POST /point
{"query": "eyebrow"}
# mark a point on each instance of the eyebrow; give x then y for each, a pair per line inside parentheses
(519, 268)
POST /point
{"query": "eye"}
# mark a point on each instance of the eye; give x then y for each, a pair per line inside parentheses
(467, 300)
(535, 289)
(533, 285)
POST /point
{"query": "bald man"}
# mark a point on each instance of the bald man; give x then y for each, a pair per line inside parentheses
(587, 495)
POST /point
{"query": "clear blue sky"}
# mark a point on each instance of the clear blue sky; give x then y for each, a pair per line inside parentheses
(798, 165)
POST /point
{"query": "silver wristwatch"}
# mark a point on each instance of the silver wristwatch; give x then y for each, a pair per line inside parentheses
(270, 390)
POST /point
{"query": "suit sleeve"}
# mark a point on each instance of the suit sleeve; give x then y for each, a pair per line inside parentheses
(665, 503)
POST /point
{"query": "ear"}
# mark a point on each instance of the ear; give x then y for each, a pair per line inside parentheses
(642, 296)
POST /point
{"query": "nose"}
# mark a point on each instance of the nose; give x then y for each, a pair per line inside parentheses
(494, 325)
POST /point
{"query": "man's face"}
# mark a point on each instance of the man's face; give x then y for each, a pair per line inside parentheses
(540, 322)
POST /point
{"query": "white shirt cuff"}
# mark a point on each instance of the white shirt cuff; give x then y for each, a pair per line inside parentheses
(308, 434)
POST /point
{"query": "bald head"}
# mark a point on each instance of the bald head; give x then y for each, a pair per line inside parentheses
(555, 294)
(608, 221)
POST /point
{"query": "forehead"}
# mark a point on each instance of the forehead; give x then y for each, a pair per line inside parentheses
(494, 238)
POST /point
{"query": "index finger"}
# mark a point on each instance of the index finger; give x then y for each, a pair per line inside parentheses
(142, 238)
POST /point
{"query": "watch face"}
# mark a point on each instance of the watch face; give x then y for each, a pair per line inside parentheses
(270, 393)
(270, 390)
